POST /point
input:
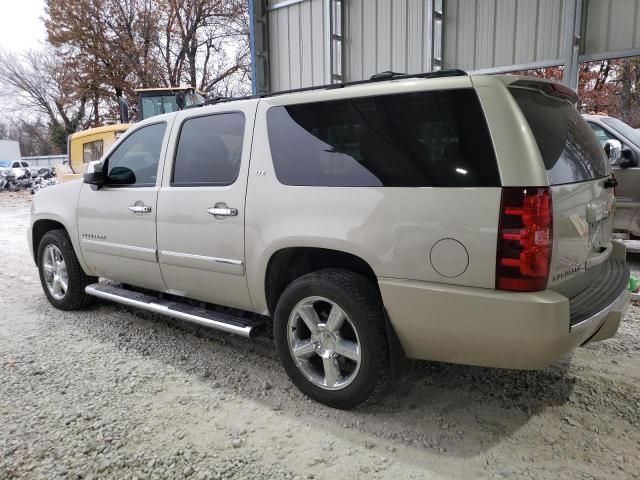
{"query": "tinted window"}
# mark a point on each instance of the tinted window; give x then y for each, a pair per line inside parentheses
(411, 140)
(209, 150)
(135, 160)
(569, 149)
(24, 164)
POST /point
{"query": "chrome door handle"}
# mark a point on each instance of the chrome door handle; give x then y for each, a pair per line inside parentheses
(140, 208)
(222, 210)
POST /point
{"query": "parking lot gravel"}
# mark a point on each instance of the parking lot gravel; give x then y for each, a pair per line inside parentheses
(110, 392)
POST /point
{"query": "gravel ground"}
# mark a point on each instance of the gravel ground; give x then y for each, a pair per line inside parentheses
(110, 392)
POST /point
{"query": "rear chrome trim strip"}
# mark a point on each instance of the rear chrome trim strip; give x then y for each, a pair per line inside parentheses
(201, 257)
(162, 307)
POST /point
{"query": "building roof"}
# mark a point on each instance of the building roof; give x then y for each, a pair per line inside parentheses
(117, 127)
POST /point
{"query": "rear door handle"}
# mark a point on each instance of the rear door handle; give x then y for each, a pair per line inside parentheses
(140, 208)
(222, 210)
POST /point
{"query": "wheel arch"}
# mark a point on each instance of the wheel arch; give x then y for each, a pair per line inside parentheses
(289, 263)
(39, 229)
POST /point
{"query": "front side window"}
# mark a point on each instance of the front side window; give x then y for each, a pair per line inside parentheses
(601, 134)
(92, 151)
(423, 139)
(16, 164)
(135, 161)
(209, 150)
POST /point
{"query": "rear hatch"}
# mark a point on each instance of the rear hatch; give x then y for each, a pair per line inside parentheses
(581, 188)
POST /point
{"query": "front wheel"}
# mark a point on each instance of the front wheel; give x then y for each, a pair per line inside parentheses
(330, 336)
(61, 275)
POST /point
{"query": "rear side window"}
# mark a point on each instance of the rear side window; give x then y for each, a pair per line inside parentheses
(569, 148)
(209, 150)
(424, 139)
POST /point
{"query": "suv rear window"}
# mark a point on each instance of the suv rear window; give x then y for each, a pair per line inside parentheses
(423, 139)
(569, 148)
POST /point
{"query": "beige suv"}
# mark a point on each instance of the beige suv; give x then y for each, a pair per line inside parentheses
(441, 216)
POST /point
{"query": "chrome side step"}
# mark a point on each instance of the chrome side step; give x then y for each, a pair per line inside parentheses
(182, 311)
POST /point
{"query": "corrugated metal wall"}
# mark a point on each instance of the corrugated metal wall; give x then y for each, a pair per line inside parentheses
(396, 35)
(492, 33)
(379, 35)
(296, 45)
(387, 35)
(612, 26)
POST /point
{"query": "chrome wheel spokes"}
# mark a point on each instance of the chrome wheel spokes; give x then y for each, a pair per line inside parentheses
(55, 272)
(324, 343)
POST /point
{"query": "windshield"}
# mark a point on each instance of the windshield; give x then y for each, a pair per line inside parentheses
(5, 163)
(631, 134)
(157, 105)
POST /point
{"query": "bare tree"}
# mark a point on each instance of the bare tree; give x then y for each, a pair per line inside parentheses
(39, 83)
(119, 45)
(31, 133)
(204, 43)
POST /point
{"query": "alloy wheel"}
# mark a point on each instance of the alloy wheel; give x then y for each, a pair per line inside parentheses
(324, 343)
(55, 272)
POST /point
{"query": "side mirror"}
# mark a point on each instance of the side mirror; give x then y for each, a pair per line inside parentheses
(121, 176)
(94, 178)
(93, 174)
(628, 158)
(613, 149)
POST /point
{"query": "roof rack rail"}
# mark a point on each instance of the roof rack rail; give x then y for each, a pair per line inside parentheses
(214, 100)
(378, 77)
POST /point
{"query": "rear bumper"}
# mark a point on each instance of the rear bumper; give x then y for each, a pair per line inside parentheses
(491, 328)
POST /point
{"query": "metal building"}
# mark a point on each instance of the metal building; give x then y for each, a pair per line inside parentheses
(300, 43)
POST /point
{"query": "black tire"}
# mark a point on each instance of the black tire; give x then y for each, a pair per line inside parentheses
(358, 297)
(75, 296)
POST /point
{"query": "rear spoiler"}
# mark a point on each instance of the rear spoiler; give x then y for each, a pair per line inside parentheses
(550, 89)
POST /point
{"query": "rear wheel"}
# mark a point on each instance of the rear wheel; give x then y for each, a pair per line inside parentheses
(330, 336)
(61, 275)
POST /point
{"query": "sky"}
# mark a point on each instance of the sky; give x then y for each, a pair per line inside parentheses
(21, 26)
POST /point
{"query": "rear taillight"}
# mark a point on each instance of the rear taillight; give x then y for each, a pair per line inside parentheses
(524, 239)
